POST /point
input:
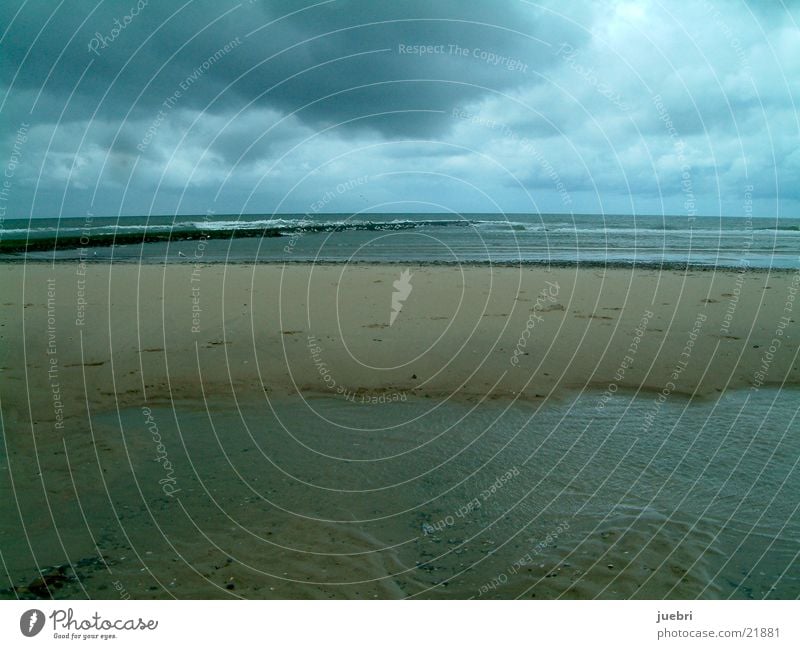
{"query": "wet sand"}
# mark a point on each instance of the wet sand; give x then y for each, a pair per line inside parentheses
(123, 390)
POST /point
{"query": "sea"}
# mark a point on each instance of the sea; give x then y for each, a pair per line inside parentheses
(666, 241)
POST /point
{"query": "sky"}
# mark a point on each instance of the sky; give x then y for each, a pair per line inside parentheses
(137, 107)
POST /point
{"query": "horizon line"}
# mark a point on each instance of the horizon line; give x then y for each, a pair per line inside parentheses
(352, 213)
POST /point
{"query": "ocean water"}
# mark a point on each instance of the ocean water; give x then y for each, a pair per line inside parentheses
(326, 497)
(663, 241)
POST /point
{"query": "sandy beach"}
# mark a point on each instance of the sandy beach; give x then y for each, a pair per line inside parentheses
(106, 368)
(124, 334)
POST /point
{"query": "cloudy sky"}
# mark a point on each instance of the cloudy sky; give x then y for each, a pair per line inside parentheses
(163, 107)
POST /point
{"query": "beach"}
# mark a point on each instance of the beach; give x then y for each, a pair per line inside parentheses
(124, 334)
(302, 430)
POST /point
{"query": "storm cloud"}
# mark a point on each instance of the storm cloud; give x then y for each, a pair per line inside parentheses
(257, 107)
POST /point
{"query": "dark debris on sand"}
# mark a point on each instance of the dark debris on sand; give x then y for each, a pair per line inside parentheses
(52, 580)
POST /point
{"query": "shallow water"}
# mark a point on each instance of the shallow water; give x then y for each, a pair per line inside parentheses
(326, 497)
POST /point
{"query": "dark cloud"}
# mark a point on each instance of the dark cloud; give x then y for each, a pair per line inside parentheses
(187, 99)
(329, 63)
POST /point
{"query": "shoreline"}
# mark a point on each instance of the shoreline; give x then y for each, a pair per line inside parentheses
(521, 264)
